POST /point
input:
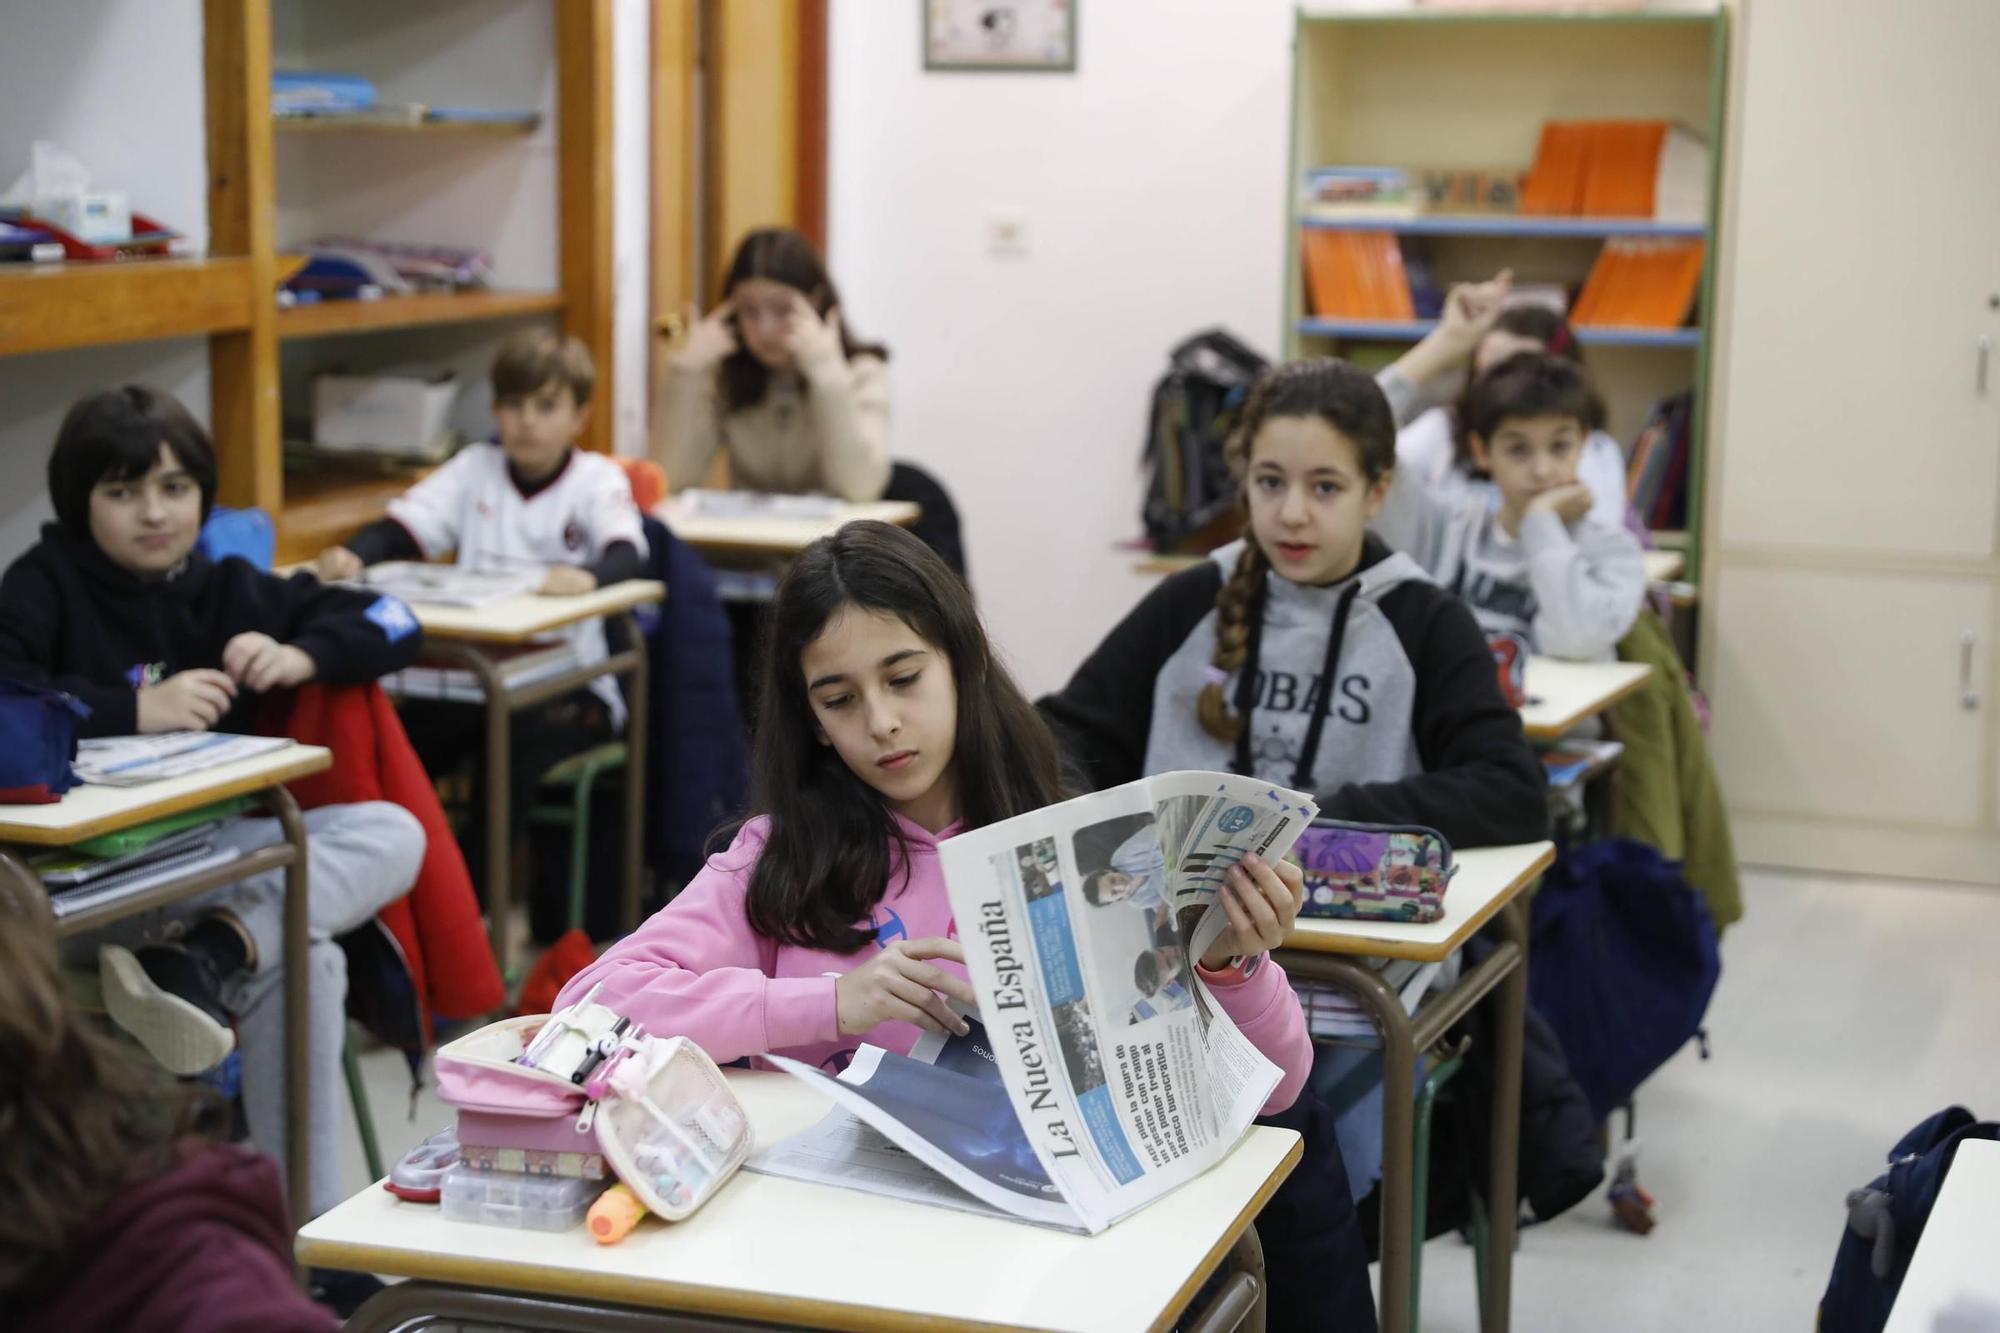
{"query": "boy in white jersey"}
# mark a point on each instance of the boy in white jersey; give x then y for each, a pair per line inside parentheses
(531, 500)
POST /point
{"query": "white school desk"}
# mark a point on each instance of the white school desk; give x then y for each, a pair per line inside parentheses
(464, 636)
(1561, 695)
(1488, 885)
(784, 1253)
(1953, 1283)
(87, 811)
(773, 535)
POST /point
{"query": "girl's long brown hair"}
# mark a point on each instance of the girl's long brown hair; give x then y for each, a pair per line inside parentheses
(1347, 399)
(80, 1117)
(831, 853)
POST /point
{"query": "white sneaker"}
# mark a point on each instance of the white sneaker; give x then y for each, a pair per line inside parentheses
(178, 1033)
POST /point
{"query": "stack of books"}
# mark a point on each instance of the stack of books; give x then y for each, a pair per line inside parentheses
(1357, 275)
(1617, 169)
(1640, 283)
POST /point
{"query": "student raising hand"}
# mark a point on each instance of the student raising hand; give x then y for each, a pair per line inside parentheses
(261, 664)
(814, 341)
(185, 701)
(897, 985)
(1261, 901)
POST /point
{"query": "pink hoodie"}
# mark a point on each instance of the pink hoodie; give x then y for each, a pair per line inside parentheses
(696, 969)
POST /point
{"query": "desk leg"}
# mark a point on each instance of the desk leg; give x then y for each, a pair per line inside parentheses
(636, 703)
(298, 1026)
(1240, 1306)
(499, 800)
(1503, 1206)
(1399, 1077)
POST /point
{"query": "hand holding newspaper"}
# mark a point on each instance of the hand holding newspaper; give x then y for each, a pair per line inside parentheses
(1102, 1073)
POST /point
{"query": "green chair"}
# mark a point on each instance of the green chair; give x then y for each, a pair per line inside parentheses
(579, 774)
(364, 1117)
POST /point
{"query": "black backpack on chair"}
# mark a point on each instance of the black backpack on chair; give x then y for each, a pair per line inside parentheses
(1195, 406)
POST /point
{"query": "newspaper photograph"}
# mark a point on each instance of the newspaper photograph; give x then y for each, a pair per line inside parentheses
(1118, 1076)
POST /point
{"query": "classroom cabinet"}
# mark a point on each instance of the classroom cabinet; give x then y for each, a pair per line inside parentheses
(1853, 697)
(1852, 605)
(1864, 385)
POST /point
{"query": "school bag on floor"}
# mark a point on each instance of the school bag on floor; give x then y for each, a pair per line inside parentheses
(1886, 1219)
(1625, 961)
(1194, 408)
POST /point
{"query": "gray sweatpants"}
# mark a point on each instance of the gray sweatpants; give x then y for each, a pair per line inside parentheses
(359, 859)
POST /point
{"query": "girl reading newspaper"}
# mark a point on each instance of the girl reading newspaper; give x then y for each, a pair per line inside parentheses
(887, 725)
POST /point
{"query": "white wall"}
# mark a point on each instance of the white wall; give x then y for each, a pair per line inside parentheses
(117, 83)
(1152, 185)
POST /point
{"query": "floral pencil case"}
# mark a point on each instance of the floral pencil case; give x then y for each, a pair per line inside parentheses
(1374, 872)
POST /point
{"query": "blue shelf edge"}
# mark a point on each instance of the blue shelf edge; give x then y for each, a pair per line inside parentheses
(1397, 330)
(1513, 226)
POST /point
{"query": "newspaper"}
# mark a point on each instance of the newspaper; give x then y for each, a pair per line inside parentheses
(132, 761)
(1119, 1077)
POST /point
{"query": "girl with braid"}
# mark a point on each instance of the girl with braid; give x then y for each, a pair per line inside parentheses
(1308, 653)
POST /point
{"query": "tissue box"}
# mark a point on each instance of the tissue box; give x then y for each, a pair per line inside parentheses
(382, 413)
(99, 217)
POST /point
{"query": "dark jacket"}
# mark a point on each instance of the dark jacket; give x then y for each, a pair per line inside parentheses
(1413, 728)
(72, 619)
(203, 1247)
(699, 751)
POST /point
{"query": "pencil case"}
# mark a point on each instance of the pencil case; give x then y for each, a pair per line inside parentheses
(671, 1127)
(659, 1112)
(504, 1104)
(1510, 659)
(1373, 872)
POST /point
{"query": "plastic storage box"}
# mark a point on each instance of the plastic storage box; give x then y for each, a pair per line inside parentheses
(508, 1199)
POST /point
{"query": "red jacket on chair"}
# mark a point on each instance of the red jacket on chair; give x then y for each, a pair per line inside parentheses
(436, 925)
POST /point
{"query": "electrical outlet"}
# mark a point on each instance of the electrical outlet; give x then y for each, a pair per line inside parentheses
(1007, 236)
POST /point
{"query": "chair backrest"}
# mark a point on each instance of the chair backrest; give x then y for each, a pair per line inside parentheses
(647, 479)
(245, 532)
(938, 526)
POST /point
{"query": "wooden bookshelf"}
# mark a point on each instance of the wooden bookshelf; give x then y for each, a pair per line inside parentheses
(332, 318)
(52, 307)
(422, 129)
(323, 510)
(312, 511)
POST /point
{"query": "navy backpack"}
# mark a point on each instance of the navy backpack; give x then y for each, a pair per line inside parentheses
(37, 742)
(1886, 1219)
(1624, 961)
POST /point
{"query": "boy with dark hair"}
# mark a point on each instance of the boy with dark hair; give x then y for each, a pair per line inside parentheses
(1539, 563)
(117, 606)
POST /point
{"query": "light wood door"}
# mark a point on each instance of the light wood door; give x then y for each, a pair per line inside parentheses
(1843, 696)
(1866, 234)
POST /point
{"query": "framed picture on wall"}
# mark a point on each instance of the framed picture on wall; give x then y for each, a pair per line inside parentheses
(997, 35)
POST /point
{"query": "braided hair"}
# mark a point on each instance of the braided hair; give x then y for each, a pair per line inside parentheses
(1345, 398)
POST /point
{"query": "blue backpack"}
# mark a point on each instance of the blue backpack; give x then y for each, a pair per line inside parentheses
(1886, 1219)
(1624, 962)
(37, 743)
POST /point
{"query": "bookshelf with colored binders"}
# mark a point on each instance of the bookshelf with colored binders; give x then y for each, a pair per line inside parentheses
(1451, 93)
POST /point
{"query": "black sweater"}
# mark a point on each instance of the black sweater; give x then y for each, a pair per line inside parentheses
(1474, 778)
(71, 619)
